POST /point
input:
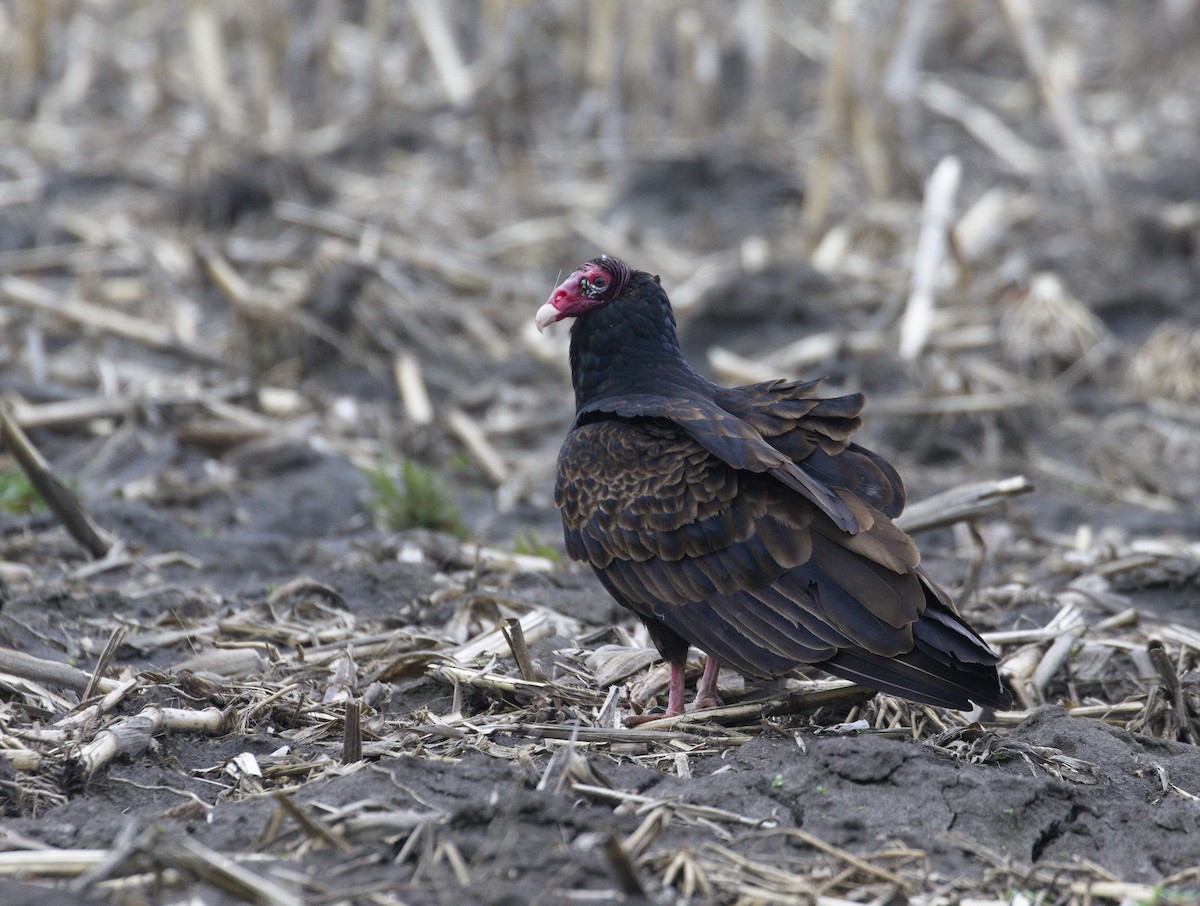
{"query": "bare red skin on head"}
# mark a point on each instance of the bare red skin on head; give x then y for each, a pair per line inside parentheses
(590, 285)
(580, 292)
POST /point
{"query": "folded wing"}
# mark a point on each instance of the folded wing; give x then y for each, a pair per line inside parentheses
(764, 538)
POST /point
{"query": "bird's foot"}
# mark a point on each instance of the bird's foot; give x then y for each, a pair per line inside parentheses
(706, 689)
(701, 702)
(650, 716)
(674, 698)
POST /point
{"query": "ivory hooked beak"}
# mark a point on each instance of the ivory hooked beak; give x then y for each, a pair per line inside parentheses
(546, 315)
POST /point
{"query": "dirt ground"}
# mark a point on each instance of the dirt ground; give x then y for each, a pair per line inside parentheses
(267, 282)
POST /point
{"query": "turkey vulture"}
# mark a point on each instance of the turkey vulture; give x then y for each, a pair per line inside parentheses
(743, 520)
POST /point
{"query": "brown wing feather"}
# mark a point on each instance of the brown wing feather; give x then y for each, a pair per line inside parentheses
(731, 440)
(750, 569)
(672, 526)
(815, 434)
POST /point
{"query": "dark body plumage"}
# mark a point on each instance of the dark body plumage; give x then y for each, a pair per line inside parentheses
(743, 520)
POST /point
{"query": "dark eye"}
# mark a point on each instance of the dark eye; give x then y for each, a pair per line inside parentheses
(600, 283)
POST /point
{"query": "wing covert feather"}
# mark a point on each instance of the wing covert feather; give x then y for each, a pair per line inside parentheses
(727, 555)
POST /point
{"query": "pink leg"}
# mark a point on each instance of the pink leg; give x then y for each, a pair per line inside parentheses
(674, 700)
(675, 692)
(706, 689)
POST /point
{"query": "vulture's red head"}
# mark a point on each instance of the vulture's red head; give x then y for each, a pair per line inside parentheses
(591, 285)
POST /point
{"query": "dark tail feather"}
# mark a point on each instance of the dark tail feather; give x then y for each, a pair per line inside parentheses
(920, 677)
(950, 665)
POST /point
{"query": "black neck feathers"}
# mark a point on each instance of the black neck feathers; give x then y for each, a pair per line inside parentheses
(629, 346)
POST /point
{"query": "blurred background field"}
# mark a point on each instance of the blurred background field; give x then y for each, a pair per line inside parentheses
(268, 273)
(320, 199)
